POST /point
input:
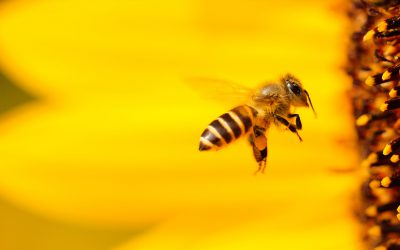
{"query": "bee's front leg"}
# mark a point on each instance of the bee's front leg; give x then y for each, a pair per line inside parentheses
(299, 126)
(258, 140)
(287, 124)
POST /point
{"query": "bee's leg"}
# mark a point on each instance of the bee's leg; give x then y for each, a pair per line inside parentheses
(299, 126)
(261, 157)
(258, 140)
(290, 126)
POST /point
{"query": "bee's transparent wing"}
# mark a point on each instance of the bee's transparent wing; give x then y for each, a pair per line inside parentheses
(220, 91)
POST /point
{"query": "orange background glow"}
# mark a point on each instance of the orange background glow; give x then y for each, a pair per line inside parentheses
(101, 149)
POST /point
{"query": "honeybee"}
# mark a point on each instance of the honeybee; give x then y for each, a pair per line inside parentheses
(269, 104)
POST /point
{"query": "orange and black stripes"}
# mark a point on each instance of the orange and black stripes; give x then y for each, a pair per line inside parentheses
(227, 128)
(386, 30)
(233, 126)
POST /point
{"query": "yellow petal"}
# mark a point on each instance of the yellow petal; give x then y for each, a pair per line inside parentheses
(114, 140)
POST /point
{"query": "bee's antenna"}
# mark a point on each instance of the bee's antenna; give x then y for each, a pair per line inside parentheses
(309, 100)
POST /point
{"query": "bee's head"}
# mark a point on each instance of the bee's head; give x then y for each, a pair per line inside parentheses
(298, 96)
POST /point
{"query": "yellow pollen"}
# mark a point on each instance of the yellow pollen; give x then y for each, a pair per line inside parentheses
(393, 93)
(370, 81)
(398, 209)
(387, 150)
(382, 26)
(380, 248)
(371, 211)
(369, 35)
(394, 158)
(386, 182)
(383, 107)
(398, 216)
(363, 120)
(386, 75)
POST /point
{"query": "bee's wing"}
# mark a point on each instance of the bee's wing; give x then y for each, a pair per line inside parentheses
(220, 91)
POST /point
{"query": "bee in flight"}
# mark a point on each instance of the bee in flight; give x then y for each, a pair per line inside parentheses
(269, 104)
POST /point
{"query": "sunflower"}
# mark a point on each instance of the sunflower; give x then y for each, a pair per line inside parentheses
(99, 141)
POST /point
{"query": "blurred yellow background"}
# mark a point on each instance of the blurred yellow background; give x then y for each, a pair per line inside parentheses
(99, 137)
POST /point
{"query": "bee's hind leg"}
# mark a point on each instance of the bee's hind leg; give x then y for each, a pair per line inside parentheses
(258, 140)
(262, 164)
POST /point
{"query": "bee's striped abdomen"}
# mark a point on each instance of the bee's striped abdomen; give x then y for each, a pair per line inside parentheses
(227, 128)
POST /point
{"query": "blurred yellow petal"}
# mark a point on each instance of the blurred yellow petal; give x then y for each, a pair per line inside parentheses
(113, 141)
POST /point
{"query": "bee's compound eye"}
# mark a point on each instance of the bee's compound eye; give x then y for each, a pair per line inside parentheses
(294, 88)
